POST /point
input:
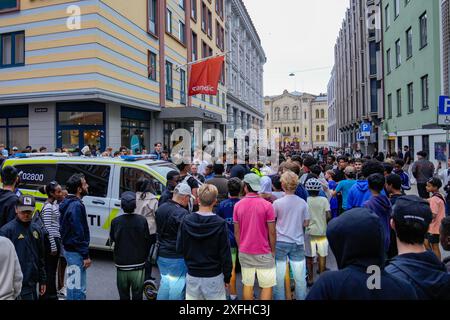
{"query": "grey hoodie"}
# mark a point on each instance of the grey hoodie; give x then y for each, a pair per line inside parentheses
(10, 273)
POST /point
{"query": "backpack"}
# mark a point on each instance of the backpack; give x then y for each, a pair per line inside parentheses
(39, 223)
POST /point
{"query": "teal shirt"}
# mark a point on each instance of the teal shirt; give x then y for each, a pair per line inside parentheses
(344, 187)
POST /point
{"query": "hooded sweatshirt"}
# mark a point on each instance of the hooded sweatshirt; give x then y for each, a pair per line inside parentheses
(8, 200)
(203, 241)
(359, 194)
(425, 272)
(356, 254)
(75, 234)
(10, 272)
(381, 206)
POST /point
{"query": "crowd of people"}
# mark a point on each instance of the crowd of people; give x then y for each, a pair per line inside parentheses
(215, 220)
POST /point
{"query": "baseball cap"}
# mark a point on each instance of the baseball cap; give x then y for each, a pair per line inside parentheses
(412, 208)
(253, 180)
(26, 203)
(15, 149)
(183, 189)
(128, 201)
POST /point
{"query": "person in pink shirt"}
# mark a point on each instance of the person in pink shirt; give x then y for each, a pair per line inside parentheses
(255, 233)
(437, 204)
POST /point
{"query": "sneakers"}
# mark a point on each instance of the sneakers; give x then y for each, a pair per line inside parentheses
(62, 293)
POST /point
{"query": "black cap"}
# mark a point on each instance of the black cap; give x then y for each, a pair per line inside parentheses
(412, 208)
(128, 202)
(26, 203)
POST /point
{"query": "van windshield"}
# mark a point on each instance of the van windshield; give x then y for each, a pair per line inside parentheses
(163, 168)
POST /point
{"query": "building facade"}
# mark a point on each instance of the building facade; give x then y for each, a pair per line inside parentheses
(445, 46)
(245, 67)
(300, 118)
(104, 72)
(359, 74)
(333, 135)
(411, 32)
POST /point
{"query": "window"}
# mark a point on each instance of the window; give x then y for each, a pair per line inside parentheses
(9, 5)
(12, 49)
(152, 66)
(396, 8)
(323, 138)
(426, 144)
(317, 138)
(389, 103)
(181, 31)
(295, 113)
(209, 23)
(97, 176)
(135, 123)
(181, 4)
(182, 87)
(410, 98)
(286, 113)
(194, 46)
(305, 115)
(130, 176)
(388, 61)
(388, 17)
(423, 30)
(317, 114)
(169, 81)
(277, 114)
(152, 14)
(306, 132)
(169, 21)
(424, 81)
(322, 114)
(398, 56)
(399, 102)
(409, 48)
(33, 176)
(194, 9)
(204, 17)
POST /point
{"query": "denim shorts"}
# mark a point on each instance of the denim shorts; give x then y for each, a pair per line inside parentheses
(295, 252)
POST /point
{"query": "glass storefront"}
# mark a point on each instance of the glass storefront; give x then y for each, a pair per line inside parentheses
(14, 131)
(135, 129)
(80, 124)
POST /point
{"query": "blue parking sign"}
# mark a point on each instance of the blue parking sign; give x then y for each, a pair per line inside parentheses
(366, 129)
(444, 105)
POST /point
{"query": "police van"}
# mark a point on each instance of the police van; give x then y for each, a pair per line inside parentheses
(107, 178)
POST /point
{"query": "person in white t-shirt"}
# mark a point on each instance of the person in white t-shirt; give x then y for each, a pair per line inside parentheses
(292, 216)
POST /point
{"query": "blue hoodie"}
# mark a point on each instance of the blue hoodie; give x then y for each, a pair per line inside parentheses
(381, 206)
(425, 272)
(75, 234)
(360, 250)
(359, 194)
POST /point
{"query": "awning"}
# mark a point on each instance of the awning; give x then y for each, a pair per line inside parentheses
(189, 114)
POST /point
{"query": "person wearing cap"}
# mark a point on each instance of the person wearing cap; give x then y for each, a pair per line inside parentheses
(15, 151)
(28, 240)
(428, 275)
(203, 241)
(255, 234)
(359, 255)
(171, 263)
(8, 197)
(131, 238)
(75, 236)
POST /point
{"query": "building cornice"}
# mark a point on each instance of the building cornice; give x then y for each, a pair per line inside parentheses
(235, 99)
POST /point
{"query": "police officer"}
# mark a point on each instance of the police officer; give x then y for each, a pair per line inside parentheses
(29, 243)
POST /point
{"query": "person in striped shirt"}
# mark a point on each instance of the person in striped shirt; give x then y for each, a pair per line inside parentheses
(50, 218)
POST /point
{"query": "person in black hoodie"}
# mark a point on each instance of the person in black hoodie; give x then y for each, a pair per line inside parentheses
(357, 241)
(131, 237)
(445, 239)
(8, 197)
(172, 178)
(203, 241)
(75, 236)
(411, 219)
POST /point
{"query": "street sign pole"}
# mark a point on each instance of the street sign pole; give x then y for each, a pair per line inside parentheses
(447, 151)
(366, 144)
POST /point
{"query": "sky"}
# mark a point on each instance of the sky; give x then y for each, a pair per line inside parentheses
(297, 35)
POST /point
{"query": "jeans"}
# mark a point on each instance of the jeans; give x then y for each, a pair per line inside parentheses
(75, 276)
(173, 279)
(133, 281)
(296, 255)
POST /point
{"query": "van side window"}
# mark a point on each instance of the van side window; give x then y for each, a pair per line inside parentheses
(34, 176)
(97, 177)
(130, 176)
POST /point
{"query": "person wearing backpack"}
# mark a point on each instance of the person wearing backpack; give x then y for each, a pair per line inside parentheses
(29, 243)
(8, 196)
(50, 221)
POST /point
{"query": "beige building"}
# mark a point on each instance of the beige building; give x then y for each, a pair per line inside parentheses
(300, 118)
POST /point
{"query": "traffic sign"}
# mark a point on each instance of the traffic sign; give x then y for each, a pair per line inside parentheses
(360, 137)
(366, 129)
(444, 111)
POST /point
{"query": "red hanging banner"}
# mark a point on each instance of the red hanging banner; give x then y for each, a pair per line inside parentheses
(204, 76)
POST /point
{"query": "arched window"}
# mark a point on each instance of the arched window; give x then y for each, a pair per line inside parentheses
(295, 113)
(322, 128)
(317, 128)
(322, 114)
(317, 114)
(277, 114)
(286, 113)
